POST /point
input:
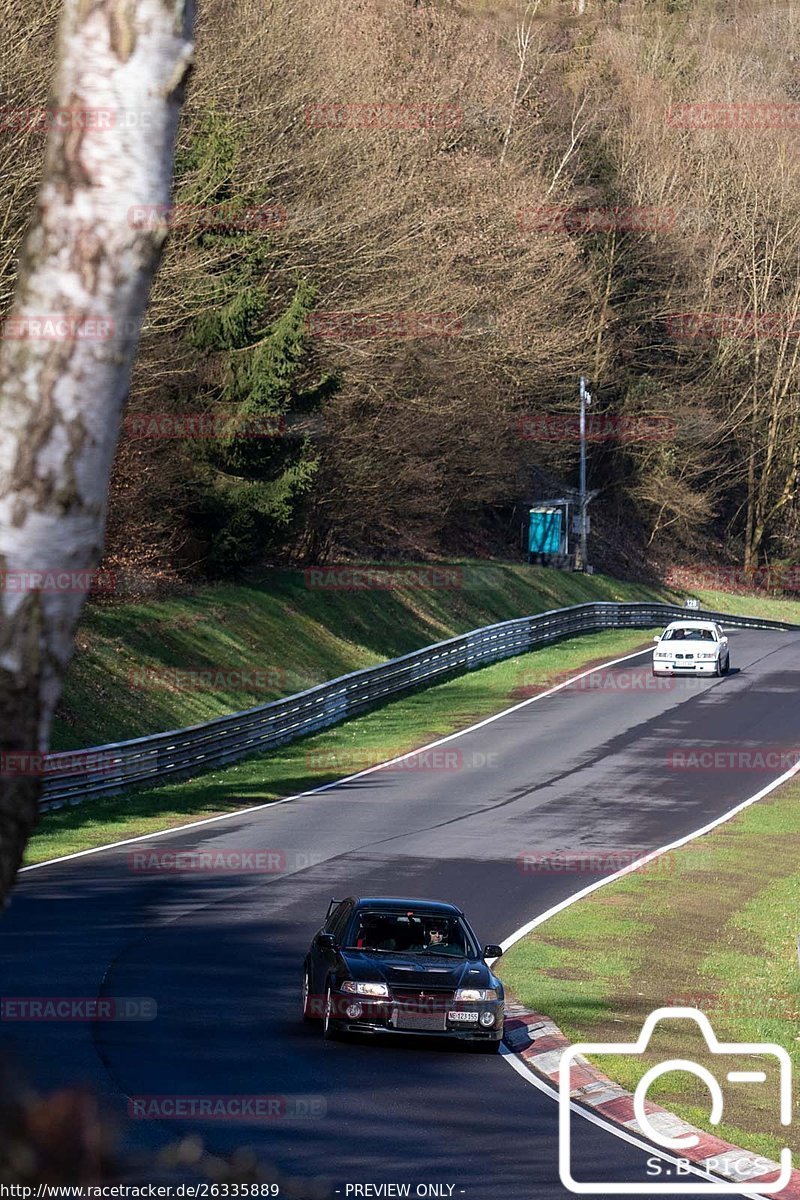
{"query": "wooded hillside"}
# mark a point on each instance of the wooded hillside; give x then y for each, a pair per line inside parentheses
(448, 170)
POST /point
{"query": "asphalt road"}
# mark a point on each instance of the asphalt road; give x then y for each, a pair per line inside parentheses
(586, 770)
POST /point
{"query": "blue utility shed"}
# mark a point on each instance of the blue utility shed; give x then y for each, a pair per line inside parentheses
(546, 533)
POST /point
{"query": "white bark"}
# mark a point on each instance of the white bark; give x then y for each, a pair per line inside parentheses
(122, 65)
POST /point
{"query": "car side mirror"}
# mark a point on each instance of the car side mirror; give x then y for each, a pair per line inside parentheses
(656, 638)
(326, 941)
(492, 951)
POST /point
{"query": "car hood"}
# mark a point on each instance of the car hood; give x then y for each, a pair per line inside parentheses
(419, 970)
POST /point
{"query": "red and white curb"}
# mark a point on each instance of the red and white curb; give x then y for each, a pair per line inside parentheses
(538, 1045)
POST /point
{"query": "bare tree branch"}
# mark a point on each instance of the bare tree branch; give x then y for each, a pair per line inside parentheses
(524, 33)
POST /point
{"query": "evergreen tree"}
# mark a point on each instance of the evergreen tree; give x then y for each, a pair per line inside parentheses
(252, 476)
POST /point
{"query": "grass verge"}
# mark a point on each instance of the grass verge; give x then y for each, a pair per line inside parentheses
(277, 636)
(711, 926)
(397, 727)
(752, 604)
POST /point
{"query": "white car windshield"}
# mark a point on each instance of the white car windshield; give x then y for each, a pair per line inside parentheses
(688, 635)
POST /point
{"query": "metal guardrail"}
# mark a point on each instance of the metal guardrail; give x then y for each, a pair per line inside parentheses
(103, 770)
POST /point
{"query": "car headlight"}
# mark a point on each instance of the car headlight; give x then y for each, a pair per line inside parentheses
(707, 654)
(476, 994)
(365, 989)
(661, 654)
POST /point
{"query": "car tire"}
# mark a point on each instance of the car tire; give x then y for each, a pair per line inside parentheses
(307, 1014)
(727, 666)
(330, 1029)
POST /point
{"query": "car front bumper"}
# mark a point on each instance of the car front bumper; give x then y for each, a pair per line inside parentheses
(672, 667)
(456, 1019)
(451, 1035)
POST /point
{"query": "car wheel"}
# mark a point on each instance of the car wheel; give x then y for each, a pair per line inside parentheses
(727, 666)
(718, 666)
(308, 1015)
(329, 1027)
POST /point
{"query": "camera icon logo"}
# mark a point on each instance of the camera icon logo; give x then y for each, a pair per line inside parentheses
(684, 1142)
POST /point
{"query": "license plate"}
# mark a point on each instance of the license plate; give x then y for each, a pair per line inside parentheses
(462, 1016)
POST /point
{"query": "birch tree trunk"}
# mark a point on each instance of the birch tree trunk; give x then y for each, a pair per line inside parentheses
(66, 353)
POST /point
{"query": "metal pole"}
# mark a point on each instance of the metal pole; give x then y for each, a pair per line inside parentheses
(585, 399)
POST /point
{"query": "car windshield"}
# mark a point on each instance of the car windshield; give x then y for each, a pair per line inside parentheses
(688, 635)
(411, 933)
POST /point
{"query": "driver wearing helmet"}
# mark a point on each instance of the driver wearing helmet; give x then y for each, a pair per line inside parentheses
(439, 938)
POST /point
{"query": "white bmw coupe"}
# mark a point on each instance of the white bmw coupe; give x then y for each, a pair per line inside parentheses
(691, 648)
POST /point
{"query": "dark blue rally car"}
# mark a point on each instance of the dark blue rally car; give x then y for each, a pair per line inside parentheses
(393, 966)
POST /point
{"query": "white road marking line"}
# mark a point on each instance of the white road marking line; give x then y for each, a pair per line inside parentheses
(593, 887)
(646, 858)
(623, 1134)
(243, 812)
